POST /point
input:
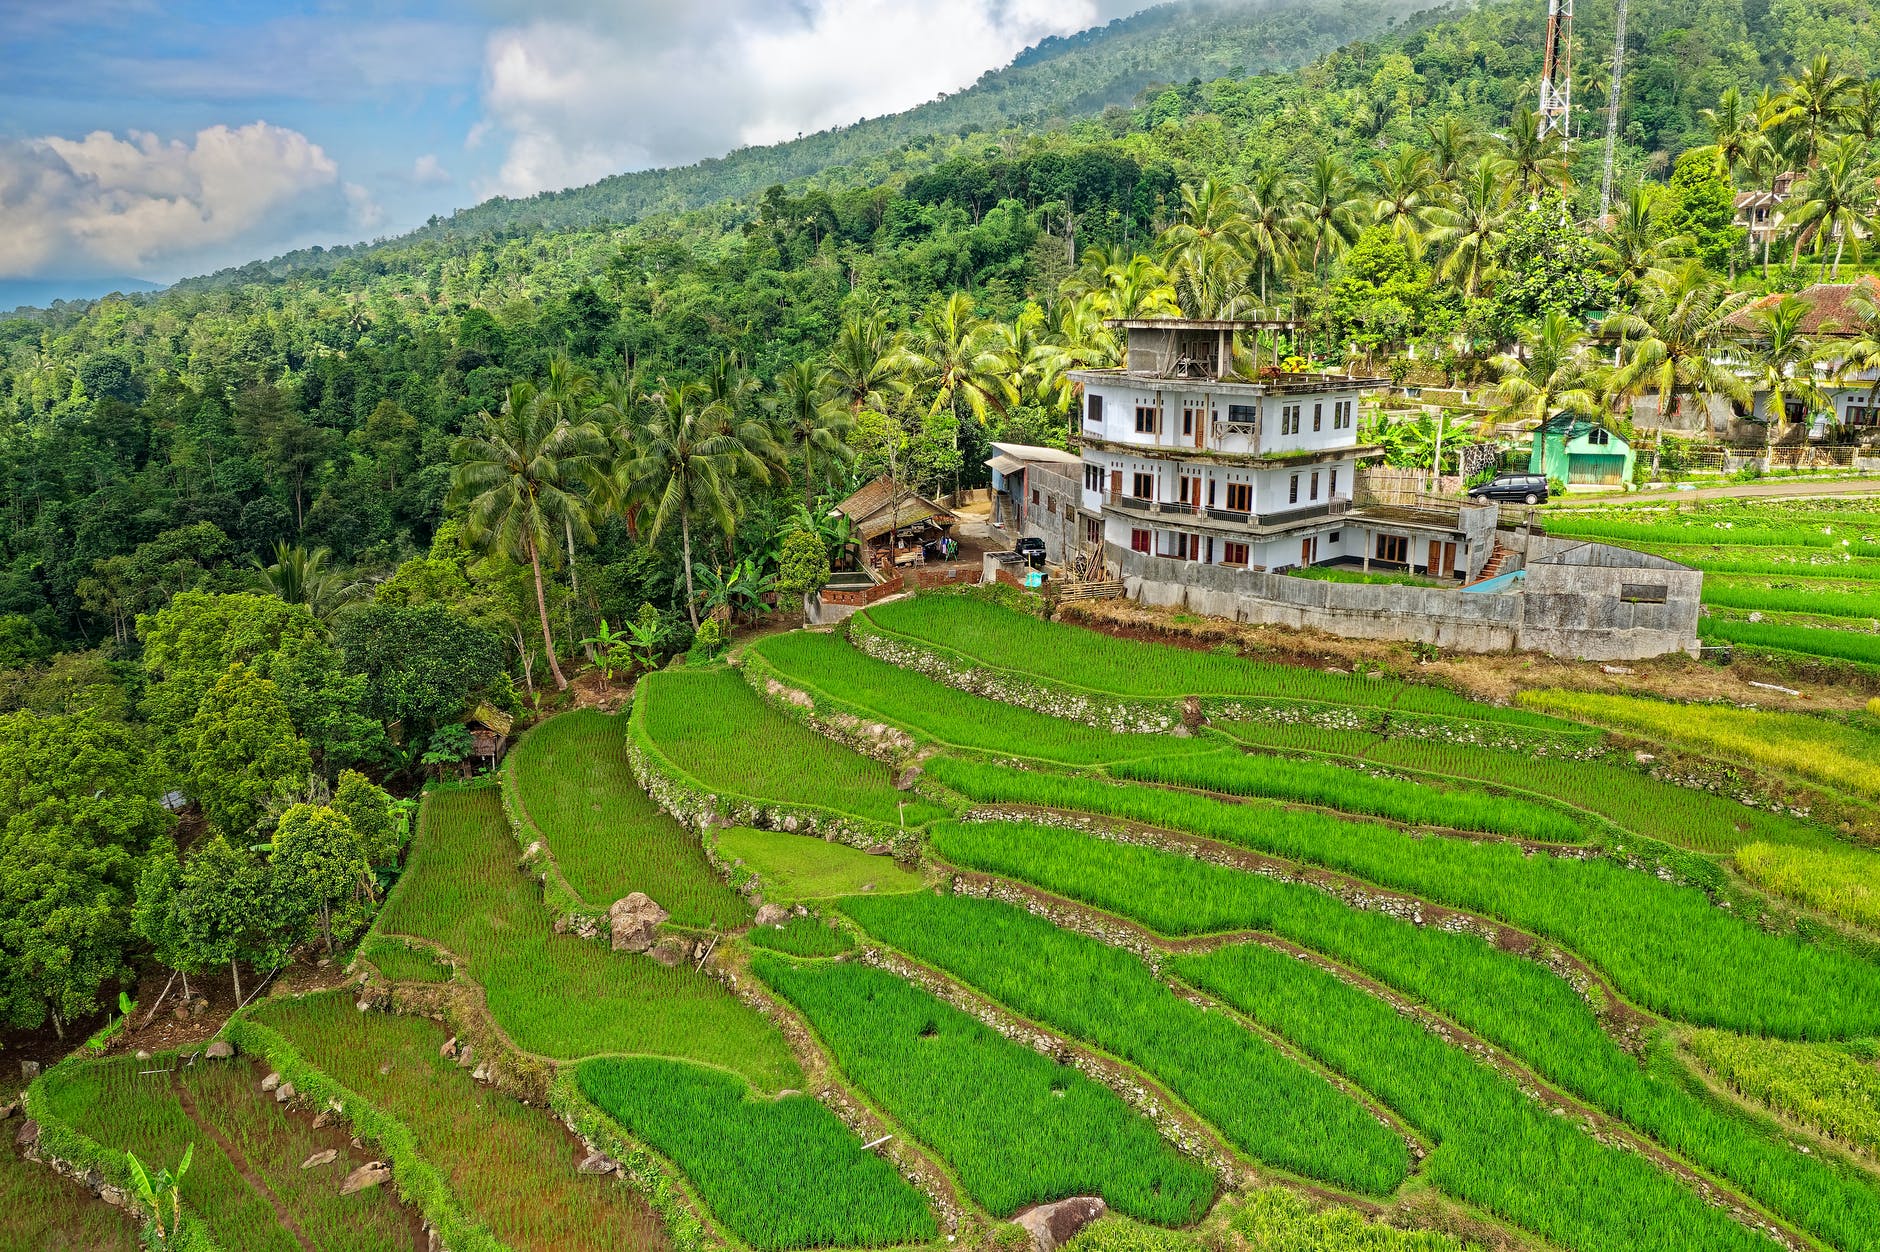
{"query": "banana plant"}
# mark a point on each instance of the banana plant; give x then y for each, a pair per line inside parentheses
(612, 650)
(162, 1195)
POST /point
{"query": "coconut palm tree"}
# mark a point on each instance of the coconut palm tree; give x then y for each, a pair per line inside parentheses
(1550, 372)
(1637, 247)
(512, 473)
(952, 356)
(1835, 199)
(1328, 208)
(1812, 107)
(566, 398)
(1406, 189)
(1782, 364)
(1211, 219)
(1272, 230)
(863, 361)
(689, 453)
(1733, 131)
(302, 577)
(1764, 162)
(812, 422)
(1537, 158)
(1468, 228)
(1452, 145)
(1675, 344)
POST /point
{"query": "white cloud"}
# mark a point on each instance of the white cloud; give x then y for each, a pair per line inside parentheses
(428, 171)
(138, 205)
(585, 88)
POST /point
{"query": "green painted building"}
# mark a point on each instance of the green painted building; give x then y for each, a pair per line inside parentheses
(1578, 450)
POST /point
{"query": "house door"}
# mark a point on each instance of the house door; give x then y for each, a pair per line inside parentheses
(1116, 483)
(1449, 560)
(1436, 559)
(1309, 550)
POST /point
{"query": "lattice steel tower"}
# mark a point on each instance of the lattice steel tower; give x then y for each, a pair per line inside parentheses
(1557, 69)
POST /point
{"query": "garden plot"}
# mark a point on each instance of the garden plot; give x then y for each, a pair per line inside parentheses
(794, 868)
(42, 1212)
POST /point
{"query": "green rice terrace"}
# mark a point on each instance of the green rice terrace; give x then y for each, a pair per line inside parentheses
(904, 935)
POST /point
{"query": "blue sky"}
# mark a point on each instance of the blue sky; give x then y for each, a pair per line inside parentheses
(154, 139)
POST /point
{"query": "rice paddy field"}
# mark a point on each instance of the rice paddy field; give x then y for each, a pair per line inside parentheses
(42, 1212)
(1332, 983)
(1793, 577)
(606, 836)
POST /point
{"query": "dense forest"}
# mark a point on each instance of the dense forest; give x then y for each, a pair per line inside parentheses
(267, 542)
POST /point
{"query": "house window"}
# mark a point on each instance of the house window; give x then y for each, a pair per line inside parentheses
(1145, 420)
(1240, 497)
(1318, 416)
(1292, 490)
(1093, 530)
(1034, 497)
(1315, 484)
(1598, 437)
(1050, 506)
(1188, 421)
(1233, 553)
(1139, 540)
(1093, 410)
(1241, 414)
(1394, 548)
(1289, 419)
(1093, 478)
(1332, 489)
(1144, 486)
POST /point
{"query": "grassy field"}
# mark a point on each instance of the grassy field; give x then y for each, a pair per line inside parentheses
(558, 995)
(1824, 640)
(711, 725)
(42, 1212)
(1515, 1003)
(827, 666)
(1833, 1088)
(1627, 797)
(1842, 881)
(782, 1173)
(235, 1189)
(605, 834)
(1496, 1147)
(1663, 945)
(403, 962)
(1015, 1127)
(799, 867)
(1828, 597)
(511, 1166)
(1272, 1107)
(802, 936)
(1811, 748)
(986, 635)
(1271, 1220)
(1351, 791)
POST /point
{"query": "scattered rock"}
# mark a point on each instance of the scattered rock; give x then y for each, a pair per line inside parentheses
(905, 780)
(364, 1005)
(634, 922)
(8, 1109)
(28, 1134)
(671, 950)
(114, 1196)
(143, 1054)
(449, 1049)
(29, 1070)
(587, 927)
(385, 1068)
(772, 915)
(220, 1050)
(284, 1093)
(324, 962)
(322, 1119)
(1643, 758)
(868, 886)
(369, 1175)
(599, 1163)
(320, 1158)
(879, 849)
(534, 850)
(466, 1057)
(1616, 669)
(1755, 617)
(198, 1007)
(272, 1081)
(180, 1013)
(1053, 1225)
(481, 1073)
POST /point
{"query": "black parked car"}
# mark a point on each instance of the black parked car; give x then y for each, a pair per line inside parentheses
(1527, 488)
(1032, 549)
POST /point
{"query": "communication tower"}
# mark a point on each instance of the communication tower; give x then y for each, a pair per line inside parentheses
(1557, 69)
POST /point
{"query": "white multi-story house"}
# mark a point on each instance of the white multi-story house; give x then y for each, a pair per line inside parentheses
(1184, 458)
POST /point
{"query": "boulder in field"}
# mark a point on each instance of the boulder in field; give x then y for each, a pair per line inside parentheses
(634, 922)
(272, 1081)
(1051, 1226)
(220, 1050)
(772, 915)
(368, 1175)
(598, 1163)
(320, 1158)
(449, 1048)
(284, 1093)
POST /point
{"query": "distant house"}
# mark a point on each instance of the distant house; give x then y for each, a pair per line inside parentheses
(1010, 488)
(1831, 315)
(1575, 450)
(1759, 210)
(894, 524)
(489, 729)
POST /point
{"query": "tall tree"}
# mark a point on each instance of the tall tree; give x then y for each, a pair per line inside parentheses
(1835, 200)
(515, 476)
(1813, 107)
(1549, 373)
(1406, 182)
(1328, 208)
(1677, 344)
(1537, 158)
(811, 422)
(1468, 228)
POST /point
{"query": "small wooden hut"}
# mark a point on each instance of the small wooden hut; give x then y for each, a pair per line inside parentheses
(489, 729)
(892, 524)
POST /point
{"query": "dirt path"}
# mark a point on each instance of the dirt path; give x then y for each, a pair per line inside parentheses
(240, 1162)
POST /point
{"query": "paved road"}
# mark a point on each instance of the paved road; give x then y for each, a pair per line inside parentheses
(1793, 488)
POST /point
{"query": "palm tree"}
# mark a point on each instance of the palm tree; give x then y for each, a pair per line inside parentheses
(863, 363)
(1676, 343)
(1550, 373)
(1328, 208)
(811, 422)
(566, 398)
(301, 577)
(1783, 361)
(511, 473)
(1272, 230)
(1812, 107)
(1537, 158)
(1406, 186)
(1859, 354)
(1211, 217)
(1468, 228)
(1635, 250)
(1836, 198)
(1452, 142)
(688, 455)
(953, 356)
(1733, 131)
(1765, 162)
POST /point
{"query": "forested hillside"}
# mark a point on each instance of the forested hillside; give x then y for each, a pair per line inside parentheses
(338, 509)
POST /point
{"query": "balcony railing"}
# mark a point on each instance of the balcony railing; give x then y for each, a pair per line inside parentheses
(1236, 517)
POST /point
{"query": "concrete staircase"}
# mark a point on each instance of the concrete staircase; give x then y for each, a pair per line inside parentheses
(1497, 559)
